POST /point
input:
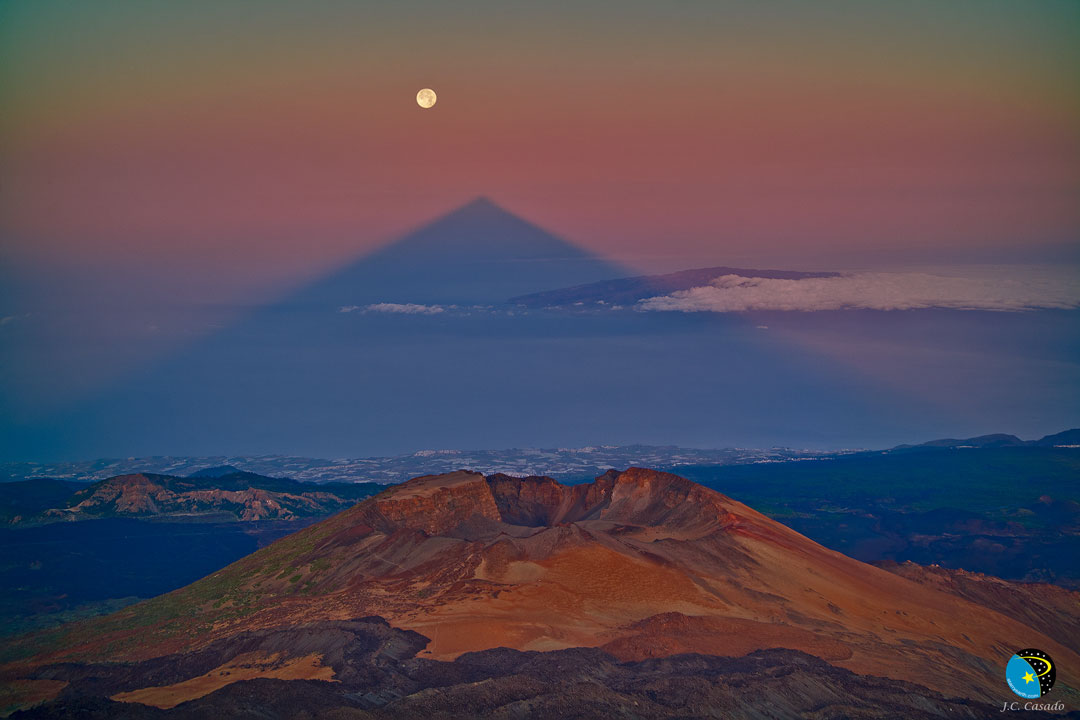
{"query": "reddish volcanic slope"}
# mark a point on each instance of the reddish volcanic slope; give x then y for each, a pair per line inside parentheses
(1053, 610)
(145, 495)
(639, 563)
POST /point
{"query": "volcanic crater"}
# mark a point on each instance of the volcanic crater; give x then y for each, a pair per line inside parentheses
(639, 564)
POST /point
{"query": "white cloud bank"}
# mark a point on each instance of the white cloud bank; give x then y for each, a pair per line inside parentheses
(395, 308)
(995, 289)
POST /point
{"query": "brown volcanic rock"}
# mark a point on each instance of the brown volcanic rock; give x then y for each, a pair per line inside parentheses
(365, 669)
(433, 504)
(670, 634)
(124, 494)
(643, 563)
(1052, 610)
(145, 495)
(539, 501)
(635, 497)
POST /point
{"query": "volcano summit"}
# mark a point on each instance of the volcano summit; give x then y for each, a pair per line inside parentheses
(638, 566)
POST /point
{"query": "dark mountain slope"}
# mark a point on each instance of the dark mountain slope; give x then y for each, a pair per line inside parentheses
(28, 498)
(215, 472)
(366, 670)
(997, 440)
(1050, 609)
(1011, 512)
(1066, 438)
(627, 291)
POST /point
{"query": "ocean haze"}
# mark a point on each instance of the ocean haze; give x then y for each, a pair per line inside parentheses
(415, 347)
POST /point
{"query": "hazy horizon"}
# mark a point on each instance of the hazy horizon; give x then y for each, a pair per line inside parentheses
(855, 359)
(172, 177)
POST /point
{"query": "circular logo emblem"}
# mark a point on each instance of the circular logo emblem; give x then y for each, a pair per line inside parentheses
(1030, 673)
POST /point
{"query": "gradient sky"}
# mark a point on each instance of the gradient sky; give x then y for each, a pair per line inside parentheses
(280, 138)
(166, 166)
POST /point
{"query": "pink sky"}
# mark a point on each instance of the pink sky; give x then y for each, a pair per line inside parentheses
(279, 148)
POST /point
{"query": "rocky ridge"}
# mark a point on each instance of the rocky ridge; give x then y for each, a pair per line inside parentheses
(239, 495)
(639, 564)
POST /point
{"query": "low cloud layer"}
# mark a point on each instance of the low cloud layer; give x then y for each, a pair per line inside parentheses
(395, 308)
(999, 290)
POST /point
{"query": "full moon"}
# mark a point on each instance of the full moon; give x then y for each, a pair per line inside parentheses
(425, 98)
